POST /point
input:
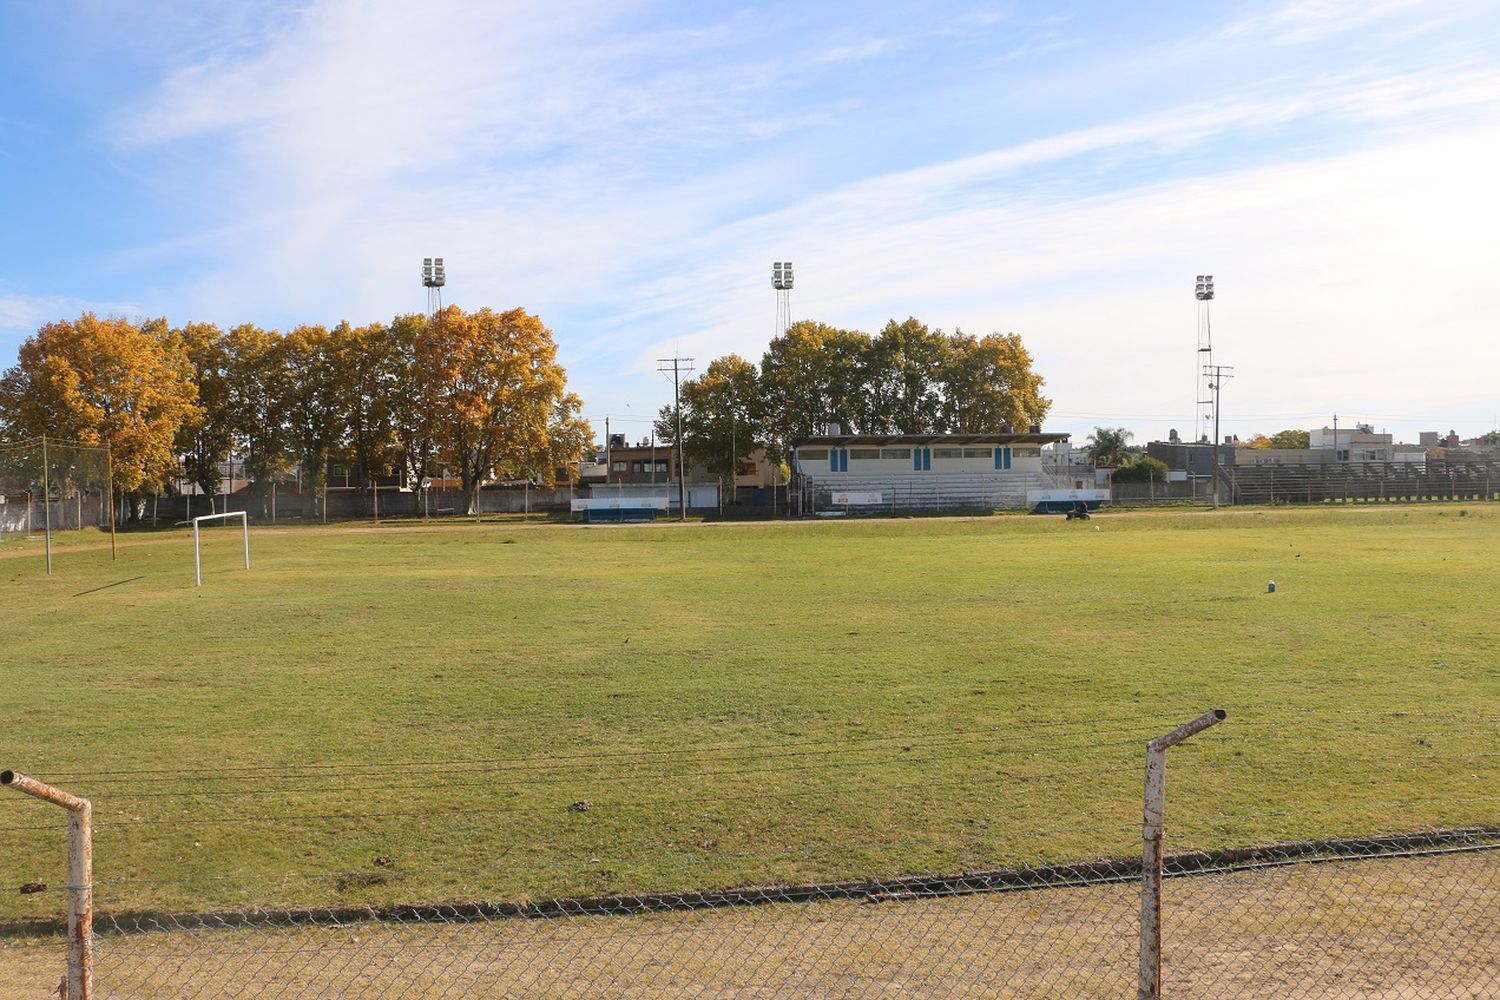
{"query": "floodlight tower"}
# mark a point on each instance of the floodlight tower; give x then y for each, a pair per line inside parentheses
(781, 280)
(434, 277)
(1204, 410)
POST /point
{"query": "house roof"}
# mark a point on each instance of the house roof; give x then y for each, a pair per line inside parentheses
(997, 437)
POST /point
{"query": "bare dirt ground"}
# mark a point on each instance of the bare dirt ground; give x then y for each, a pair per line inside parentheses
(1388, 929)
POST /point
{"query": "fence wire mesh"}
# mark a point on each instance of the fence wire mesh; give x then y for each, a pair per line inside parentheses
(1393, 915)
(1411, 916)
(56, 484)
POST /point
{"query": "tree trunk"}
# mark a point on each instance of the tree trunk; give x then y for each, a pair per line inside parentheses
(471, 498)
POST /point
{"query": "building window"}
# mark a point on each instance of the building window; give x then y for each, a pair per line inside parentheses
(812, 454)
(947, 453)
(619, 466)
(661, 466)
(978, 452)
(864, 454)
(901, 453)
(1026, 452)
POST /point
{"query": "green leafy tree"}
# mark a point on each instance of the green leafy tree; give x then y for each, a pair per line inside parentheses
(1141, 470)
(1291, 439)
(904, 378)
(312, 402)
(1109, 446)
(362, 361)
(810, 376)
(259, 381)
(721, 416)
(988, 384)
(413, 395)
(205, 440)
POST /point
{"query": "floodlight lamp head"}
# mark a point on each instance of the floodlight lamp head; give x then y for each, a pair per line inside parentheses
(1204, 290)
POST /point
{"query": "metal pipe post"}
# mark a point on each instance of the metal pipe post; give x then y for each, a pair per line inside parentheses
(80, 878)
(46, 506)
(1152, 833)
(110, 475)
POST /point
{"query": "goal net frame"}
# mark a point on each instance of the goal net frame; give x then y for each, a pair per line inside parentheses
(245, 529)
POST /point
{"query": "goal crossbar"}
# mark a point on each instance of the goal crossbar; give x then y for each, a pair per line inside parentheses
(245, 530)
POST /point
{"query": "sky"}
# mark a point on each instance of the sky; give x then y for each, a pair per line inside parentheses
(630, 170)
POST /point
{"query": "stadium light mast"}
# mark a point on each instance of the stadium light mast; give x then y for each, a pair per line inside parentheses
(1203, 409)
(434, 277)
(1214, 376)
(781, 280)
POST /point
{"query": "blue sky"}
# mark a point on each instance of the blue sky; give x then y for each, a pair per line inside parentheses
(629, 170)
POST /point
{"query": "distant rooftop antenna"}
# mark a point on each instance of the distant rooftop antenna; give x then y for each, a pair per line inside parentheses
(434, 277)
(781, 280)
(1203, 411)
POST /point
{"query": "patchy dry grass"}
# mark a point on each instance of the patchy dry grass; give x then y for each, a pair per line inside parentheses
(737, 704)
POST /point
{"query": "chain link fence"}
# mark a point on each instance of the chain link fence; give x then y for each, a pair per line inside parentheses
(1391, 915)
(1408, 916)
(49, 487)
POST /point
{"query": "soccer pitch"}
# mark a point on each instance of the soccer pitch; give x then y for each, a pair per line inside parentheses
(417, 713)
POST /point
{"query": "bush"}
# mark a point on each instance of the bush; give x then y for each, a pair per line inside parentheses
(1142, 470)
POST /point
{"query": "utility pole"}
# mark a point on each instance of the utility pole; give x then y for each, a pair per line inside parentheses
(1216, 374)
(679, 366)
(609, 465)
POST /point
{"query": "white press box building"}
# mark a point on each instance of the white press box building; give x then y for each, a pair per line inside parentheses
(900, 472)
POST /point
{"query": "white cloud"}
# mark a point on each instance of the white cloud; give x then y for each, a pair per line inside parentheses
(560, 161)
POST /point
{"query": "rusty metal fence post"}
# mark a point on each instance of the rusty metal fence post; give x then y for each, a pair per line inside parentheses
(80, 879)
(1152, 830)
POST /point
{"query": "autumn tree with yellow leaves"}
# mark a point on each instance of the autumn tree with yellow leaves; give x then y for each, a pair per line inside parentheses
(105, 381)
(502, 407)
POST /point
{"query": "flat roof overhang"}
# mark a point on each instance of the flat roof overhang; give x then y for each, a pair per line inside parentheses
(927, 439)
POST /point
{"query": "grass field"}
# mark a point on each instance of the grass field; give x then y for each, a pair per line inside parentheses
(417, 713)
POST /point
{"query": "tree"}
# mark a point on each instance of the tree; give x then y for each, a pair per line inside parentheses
(259, 390)
(312, 405)
(721, 416)
(205, 440)
(362, 365)
(1141, 470)
(988, 384)
(1291, 439)
(105, 381)
(810, 376)
(1258, 441)
(502, 402)
(413, 394)
(904, 378)
(1109, 446)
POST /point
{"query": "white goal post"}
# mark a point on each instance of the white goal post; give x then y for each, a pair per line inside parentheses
(244, 525)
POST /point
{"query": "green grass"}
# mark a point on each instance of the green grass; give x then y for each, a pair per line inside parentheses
(736, 703)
